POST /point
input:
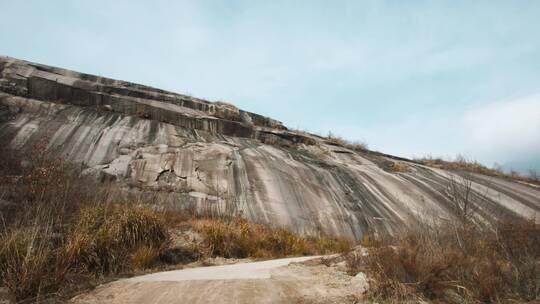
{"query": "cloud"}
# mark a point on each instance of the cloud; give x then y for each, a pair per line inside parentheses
(504, 130)
(399, 76)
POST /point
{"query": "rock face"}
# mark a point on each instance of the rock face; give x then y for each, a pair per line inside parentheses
(213, 157)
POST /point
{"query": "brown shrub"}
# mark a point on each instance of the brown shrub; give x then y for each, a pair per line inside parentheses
(447, 263)
(40, 186)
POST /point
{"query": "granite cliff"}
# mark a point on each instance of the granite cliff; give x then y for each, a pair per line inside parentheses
(213, 157)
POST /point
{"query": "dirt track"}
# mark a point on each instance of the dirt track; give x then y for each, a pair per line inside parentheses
(274, 281)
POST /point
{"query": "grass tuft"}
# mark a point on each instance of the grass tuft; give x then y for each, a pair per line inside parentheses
(240, 239)
(37, 261)
(145, 257)
(104, 238)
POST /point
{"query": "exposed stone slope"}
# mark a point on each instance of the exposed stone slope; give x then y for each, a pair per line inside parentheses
(214, 157)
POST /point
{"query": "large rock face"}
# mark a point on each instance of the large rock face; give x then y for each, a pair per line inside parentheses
(214, 157)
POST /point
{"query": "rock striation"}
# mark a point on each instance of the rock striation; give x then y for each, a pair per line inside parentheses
(213, 157)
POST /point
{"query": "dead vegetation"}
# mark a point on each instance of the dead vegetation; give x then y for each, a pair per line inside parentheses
(448, 263)
(62, 232)
(400, 167)
(460, 163)
(357, 146)
(112, 239)
(59, 229)
(39, 260)
(240, 239)
(454, 262)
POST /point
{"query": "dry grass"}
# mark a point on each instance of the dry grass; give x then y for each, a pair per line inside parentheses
(105, 239)
(145, 257)
(56, 231)
(25, 262)
(455, 264)
(462, 164)
(61, 230)
(358, 146)
(400, 167)
(39, 260)
(240, 239)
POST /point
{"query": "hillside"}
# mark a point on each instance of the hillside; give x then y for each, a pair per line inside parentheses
(193, 154)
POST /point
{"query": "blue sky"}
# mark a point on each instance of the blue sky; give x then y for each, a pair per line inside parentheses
(410, 78)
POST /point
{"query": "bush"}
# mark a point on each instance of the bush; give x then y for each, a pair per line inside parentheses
(456, 263)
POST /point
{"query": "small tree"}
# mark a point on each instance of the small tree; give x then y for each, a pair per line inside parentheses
(459, 191)
(533, 174)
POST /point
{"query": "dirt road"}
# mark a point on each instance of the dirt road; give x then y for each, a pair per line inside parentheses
(273, 281)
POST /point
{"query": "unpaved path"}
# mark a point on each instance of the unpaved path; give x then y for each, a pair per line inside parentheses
(254, 270)
(274, 281)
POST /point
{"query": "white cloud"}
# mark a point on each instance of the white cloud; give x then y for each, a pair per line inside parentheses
(505, 130)
(501, 132)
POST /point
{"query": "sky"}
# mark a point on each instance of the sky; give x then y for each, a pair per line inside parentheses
(409, 78)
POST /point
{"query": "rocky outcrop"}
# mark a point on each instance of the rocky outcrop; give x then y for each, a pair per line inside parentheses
(46, 83)
(213, 157)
